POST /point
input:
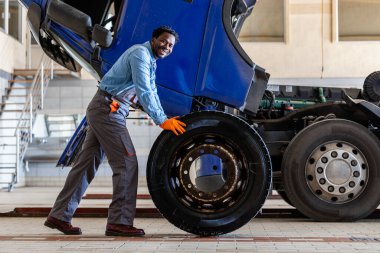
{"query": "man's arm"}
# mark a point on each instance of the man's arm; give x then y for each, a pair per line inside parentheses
(148, 98)
(147, 95)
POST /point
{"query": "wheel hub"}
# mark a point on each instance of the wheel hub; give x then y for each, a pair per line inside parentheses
(336, 172)
(218, 186)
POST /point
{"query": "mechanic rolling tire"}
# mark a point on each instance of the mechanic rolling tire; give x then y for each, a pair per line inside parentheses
(212, 179)
(331, 171)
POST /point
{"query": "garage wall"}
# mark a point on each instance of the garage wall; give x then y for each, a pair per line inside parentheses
(12, 55)
(311, 49)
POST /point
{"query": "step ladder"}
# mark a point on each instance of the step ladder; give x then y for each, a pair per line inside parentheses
(18, 108)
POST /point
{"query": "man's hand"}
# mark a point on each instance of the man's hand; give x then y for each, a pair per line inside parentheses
(174, 125)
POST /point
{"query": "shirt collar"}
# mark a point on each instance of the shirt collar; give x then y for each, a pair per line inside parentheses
(147, 45)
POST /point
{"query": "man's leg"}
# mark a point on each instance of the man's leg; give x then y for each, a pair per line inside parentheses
(110, 129)
(78, 179)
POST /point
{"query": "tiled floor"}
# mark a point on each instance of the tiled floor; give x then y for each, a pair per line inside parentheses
(259, 235)
(262, 235)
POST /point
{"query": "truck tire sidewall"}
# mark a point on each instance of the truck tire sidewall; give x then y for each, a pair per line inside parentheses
(233, 217)
(295, 159)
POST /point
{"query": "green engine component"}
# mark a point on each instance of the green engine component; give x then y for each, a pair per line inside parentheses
(286, 103)
(295, 102)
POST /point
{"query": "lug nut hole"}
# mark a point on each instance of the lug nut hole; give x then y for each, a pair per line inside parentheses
(345, 155)
(356, 174)
(320, 170)
(334, 154)
(322, 181)
(352, 184)
(330, 188)
(342, 190)
(354, 163)
(324, 159)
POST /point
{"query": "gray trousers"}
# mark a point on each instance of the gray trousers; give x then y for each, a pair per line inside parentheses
(107, 134)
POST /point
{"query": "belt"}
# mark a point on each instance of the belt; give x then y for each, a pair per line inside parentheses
(104, 93)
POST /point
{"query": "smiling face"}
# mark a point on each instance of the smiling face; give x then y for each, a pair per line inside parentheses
(163, 45)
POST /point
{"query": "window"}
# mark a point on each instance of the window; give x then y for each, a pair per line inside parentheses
(15, 29)
(358, 20)
(266, 23)
(2, 5)
(14, 19)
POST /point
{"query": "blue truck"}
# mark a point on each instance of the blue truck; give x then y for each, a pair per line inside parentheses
(316, 147)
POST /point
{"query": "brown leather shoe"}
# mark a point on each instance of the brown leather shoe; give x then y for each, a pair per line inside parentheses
(123, 230)
(63, 226)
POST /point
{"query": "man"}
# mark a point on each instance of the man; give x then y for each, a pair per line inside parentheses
(130, 80)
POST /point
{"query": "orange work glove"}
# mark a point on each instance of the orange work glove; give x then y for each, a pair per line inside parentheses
(174, 125)
(114, 106)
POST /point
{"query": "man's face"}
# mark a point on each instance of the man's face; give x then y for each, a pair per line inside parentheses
(163, 45)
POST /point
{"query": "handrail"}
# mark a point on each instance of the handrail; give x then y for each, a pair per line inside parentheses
(34, 102)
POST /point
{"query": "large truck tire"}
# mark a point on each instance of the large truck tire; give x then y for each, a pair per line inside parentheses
(371, 87)
(331, 171)
(232, 197)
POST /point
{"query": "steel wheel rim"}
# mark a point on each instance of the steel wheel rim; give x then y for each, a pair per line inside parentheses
(331, 184)
(235, 168)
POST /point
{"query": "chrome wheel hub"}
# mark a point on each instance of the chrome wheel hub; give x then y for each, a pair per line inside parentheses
(336, 172)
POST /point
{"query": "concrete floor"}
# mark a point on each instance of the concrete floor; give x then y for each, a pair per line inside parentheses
(27, 234)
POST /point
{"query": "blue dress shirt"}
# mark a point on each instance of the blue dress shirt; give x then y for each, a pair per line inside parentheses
(134, 74)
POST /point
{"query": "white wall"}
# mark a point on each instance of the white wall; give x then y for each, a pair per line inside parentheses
(311, 49)
(12, 53)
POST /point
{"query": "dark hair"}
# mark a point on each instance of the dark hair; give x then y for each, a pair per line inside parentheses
(165, 29)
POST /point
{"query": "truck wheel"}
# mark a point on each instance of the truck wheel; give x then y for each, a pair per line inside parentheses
(232, 196)
(331, 171)
(371, 87)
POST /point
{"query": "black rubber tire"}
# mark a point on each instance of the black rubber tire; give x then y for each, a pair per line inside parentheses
(244, 202)
(297, 157)
(371, 87)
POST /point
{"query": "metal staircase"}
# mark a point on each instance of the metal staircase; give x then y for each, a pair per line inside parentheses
(19, 106)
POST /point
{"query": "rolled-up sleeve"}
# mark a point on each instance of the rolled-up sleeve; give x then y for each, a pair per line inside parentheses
(146, 94)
